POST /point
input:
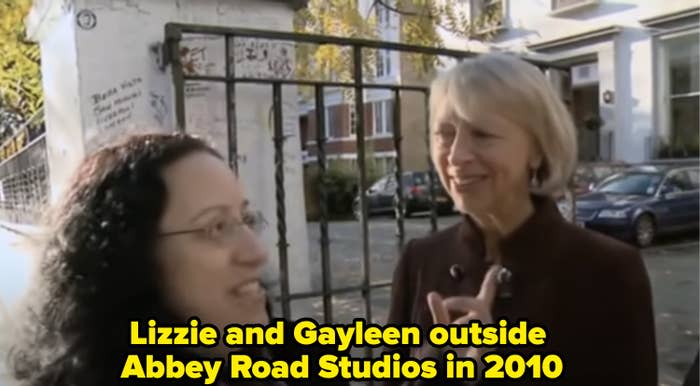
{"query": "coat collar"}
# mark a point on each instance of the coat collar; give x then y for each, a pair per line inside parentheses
(524, 246)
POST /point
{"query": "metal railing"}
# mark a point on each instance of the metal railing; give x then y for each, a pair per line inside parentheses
(24, 184)
(172, 49)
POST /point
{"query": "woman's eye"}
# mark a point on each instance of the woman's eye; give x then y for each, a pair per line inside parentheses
(482, 134)
(254, 220)
(217, 228)
(445, 136)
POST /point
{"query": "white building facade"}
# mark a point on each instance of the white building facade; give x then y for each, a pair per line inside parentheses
(633, 82)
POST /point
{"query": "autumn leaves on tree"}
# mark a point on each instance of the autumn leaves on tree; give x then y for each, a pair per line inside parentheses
(20, 75)
(421, 22)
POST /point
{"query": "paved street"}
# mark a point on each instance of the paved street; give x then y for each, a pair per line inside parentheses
(672, 264)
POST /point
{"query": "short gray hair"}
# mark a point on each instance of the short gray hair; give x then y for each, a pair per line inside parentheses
(524, 96)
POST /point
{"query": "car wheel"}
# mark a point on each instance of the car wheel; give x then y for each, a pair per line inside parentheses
(644, 230)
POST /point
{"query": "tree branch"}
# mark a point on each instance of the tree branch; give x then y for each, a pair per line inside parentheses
(426, 13)
(394, 9)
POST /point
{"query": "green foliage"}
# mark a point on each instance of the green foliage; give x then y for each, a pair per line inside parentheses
(341, 188)
(20, 73)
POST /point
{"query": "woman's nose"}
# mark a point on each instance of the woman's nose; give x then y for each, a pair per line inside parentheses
(461, 150)
(251, 251)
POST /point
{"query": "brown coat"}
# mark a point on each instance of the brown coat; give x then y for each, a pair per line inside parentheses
(591, 292)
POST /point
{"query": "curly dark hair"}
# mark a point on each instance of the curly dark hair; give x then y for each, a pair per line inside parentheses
(97, 270)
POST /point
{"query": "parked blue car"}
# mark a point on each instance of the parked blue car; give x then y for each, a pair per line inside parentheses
(641, 203)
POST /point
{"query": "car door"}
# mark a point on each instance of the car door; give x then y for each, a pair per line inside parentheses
(374, 194)
(691, 199)
(386, 196)
(673, 201)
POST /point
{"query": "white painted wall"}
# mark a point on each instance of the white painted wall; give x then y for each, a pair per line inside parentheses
(59, 68)
(103, 81)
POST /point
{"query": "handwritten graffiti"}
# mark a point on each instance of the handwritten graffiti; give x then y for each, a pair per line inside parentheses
(86, 19)
(197, 89)
(263, 58)
(193, 60)
(113, 106)
(159, 107)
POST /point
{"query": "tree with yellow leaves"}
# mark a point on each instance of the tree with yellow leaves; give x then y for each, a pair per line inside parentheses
(20, 73)
(420, 23)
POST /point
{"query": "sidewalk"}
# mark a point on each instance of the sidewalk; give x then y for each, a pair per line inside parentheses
(16, 264)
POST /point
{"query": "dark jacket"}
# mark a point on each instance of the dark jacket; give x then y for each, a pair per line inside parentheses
(591, 292)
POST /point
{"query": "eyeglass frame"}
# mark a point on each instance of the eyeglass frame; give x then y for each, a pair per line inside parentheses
(258, 215)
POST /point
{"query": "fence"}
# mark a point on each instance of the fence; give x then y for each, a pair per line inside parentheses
(24, 184)
(176, 36)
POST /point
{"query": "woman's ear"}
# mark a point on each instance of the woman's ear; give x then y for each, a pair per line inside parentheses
(535, 162)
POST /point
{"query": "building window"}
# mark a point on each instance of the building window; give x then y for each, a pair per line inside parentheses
(681, 70)
(383, 14)
(383, 63)
(353, 119)
(383, 117)
(333, 127)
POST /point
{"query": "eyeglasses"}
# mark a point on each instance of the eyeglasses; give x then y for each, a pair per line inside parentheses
(224, 229)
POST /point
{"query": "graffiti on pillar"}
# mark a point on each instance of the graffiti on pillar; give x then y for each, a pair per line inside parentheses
(114, 105)
(86, 19)
(260, 58)
(159, 107)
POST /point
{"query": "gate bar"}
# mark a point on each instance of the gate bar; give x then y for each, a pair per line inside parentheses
(282, 244)
(338, 291)
(431, 167)
(323, 223)
(231, 109)
(400, 202)
(177, 29)
(173, 36)
(314, 38)
(294, 82)
(360, 140)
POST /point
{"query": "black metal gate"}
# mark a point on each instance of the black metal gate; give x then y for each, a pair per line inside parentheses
(174, 35)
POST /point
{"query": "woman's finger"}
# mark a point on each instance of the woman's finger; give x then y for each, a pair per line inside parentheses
(489, 287)
(462, 304)
(473, 316)
(437, 309)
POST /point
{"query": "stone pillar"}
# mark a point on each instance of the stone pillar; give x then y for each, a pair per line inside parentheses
(102, 80)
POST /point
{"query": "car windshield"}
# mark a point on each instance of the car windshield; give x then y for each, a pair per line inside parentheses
(379, 185)
(635, 183)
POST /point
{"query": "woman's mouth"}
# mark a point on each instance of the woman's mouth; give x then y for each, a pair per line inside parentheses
(249, 288)
(464, 183)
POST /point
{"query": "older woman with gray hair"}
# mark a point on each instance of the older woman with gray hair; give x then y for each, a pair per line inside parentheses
(503, 144)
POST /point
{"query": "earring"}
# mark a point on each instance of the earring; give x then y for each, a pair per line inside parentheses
(534, 178)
